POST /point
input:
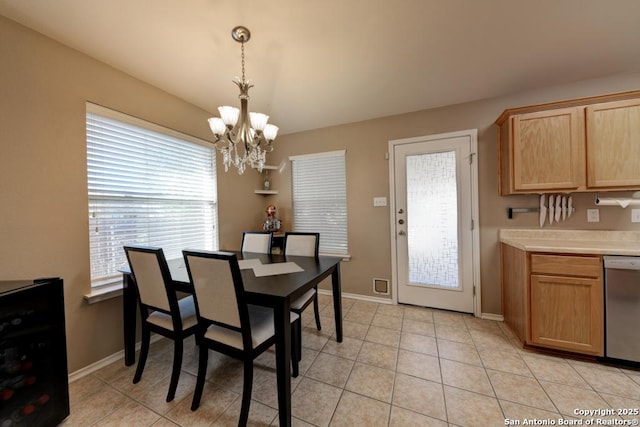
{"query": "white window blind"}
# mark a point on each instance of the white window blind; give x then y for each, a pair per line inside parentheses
(147, 185)
(320, 198)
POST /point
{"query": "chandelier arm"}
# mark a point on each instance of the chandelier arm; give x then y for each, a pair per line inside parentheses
(221, 141)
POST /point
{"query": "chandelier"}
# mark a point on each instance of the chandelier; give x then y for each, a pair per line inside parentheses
(243, 138)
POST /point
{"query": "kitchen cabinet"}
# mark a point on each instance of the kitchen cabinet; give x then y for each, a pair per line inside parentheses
(554, 300)
(590, 144)
(515, 296)
(613, 144)
(567, 305)
(548, 150)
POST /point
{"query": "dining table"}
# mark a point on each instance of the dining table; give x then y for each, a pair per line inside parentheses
(270, 280)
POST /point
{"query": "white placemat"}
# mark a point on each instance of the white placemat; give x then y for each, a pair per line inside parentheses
(246, 264)
(178, 270)
(276, 268)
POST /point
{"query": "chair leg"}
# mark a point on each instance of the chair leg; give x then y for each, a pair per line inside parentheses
(246, 392)
(316, 310)
(177, 366)
(202, 373)
(144, 352)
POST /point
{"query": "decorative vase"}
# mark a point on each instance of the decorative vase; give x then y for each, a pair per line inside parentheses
(267, 183)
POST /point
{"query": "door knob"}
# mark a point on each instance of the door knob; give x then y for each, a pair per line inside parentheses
(401, 233)
(401, 221)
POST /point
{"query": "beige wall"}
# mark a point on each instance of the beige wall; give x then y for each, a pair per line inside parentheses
(43, 184)
(368, 176)
(43, 201)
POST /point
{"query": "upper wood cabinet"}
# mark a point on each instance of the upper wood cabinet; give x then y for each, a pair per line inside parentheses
(548, 150)
(613, 144)
(572, 146)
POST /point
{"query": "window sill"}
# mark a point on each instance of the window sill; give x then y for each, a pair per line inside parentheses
(346, 257)
(103, 293)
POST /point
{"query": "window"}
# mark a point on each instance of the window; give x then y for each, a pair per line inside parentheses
(147, 185)
(320, 198)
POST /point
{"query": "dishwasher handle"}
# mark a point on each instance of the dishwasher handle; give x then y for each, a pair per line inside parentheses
(622, 262)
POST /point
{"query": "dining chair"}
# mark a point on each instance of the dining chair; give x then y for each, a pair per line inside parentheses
(304, 244)
(160, 309)
(227, 323)
(257, 241)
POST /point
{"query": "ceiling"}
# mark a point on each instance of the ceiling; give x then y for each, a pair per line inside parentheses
(321, 63)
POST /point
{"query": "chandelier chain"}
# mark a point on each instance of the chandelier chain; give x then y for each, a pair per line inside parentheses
(242, 54)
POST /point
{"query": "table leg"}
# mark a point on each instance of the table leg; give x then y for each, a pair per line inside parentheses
(129, 319)
(337, 301)
(282, 323)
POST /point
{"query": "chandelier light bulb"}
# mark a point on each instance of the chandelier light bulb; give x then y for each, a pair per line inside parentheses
(229, 115)
(270, 132)
(217, 126)
(258, 121)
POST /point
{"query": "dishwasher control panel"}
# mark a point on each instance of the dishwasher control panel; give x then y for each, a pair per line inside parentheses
(622, 262)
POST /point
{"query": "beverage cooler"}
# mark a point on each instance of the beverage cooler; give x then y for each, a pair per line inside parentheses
(34, 388)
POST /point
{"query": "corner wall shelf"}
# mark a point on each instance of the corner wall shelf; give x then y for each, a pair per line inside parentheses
(265, 173)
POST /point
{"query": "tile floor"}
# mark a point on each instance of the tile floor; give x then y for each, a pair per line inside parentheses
(397, 366)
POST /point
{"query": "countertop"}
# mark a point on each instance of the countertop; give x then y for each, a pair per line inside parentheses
(599, 242)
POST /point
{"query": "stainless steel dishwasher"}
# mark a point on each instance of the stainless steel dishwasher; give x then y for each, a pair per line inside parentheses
(622, 307)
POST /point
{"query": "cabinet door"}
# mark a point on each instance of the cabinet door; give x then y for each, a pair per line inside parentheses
(613, 144)
(548, 150)
(567, 313)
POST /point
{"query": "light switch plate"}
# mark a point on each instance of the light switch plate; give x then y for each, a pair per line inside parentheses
(593, 215)
(379, 201)
(635, 215)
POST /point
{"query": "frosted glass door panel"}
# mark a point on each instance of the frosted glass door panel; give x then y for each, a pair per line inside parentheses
(432, 219)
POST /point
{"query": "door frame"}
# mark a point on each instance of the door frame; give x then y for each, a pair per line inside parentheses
(472, 134)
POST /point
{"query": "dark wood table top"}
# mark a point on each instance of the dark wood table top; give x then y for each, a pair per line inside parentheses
(274, 286)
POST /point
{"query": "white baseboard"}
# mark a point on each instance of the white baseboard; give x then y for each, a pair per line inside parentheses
(83, 372)
(486, 316)
(491, 316)
(358, 297)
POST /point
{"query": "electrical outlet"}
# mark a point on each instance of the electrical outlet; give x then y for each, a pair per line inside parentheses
(635, 215)
(379, 201)
(593, 215)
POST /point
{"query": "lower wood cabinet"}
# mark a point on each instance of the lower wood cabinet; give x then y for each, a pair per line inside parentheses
(559, 298)
(567, 313)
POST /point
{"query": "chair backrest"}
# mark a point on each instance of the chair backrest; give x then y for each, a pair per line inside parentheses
(257, 241)
(151, 273)
(301, 244)
(218, 288)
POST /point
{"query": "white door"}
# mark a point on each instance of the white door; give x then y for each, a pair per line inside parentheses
(434, 202)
